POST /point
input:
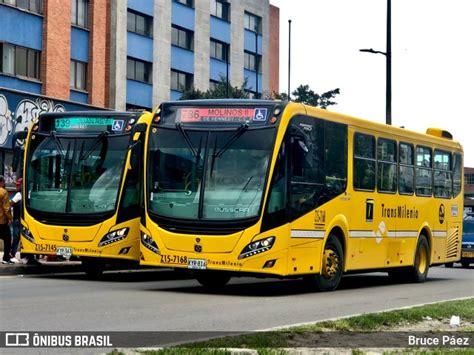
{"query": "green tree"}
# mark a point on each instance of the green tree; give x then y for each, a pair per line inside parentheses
(305, 95)
(222, 90)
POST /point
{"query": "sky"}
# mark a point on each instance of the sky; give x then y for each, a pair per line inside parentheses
(432, 60)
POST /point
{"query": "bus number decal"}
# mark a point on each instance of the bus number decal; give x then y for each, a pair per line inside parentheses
(174, 259)
(319, 219)
(45, 247)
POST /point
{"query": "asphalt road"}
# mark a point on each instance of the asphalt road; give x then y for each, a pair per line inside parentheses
(154, 301)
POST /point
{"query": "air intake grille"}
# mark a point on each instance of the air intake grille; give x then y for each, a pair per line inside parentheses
(453, 242)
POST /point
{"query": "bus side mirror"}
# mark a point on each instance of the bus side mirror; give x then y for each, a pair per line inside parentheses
(18, 149)
(138, 128)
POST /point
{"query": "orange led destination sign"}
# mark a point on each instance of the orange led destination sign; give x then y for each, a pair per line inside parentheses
(222, 115)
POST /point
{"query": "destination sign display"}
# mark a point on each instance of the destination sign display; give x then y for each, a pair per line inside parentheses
(222, 115)
(89, 124)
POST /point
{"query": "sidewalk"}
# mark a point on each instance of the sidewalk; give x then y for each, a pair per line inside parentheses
(44, 267)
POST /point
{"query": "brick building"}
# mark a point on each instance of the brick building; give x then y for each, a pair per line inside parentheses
(469, 190)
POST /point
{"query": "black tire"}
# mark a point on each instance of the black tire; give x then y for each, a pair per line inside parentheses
(331, 269)
(449, 265)
(419, 271)
(93, 267)
(465, 265)
(212, 279)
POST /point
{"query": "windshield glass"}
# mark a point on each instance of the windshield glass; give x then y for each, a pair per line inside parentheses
(468, 226)
(232, 166)
(75, 175)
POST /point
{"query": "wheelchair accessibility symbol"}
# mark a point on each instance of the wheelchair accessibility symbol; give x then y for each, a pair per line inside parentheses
(117, 125)
(260, 115)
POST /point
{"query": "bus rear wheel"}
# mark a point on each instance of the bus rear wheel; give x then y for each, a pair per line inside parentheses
(212, 279)
(332, 266)
(419, 271)
(93, 267)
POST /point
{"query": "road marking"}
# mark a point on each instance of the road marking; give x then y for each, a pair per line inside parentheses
(281, 327)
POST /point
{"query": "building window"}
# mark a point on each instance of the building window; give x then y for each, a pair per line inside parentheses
(189, 3)
(253, 22)
(80, 13)
(182, 38)
(220, 9)
(19, 61)
(253, 61)
(213, 84)
(141, 24)
(219, 50)
(139, 71)
(28, 5)
(181, 81)
(78, 74)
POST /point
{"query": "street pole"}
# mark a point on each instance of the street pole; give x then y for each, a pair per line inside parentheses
(256, 64)
(388, 69)
(388, 55)
(289, 58)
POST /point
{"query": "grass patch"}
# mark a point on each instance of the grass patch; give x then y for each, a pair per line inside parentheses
(367, 322)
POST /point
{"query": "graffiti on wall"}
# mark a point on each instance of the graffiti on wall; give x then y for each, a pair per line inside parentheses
(25, 112)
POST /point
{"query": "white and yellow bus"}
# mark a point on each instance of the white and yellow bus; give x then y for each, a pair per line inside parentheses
(284, 189)
(82, 183)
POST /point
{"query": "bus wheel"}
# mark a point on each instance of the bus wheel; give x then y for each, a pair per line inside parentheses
(419, 271)
(212, 279)
(449, 265)
(93, 267)
(332, 266)
(465, 265)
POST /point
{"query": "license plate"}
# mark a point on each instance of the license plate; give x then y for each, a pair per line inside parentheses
(64, 251)
(468, 254)
(200, 264)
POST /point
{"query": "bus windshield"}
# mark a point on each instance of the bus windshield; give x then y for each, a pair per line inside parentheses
(76, 175)
(208, 174)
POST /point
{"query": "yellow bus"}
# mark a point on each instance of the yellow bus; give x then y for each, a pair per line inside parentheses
(82, 182)
(282, 189)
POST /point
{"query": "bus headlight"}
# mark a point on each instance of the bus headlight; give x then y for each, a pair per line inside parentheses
(149, 243)
(257, 247)
(113, 237)
(27, 234)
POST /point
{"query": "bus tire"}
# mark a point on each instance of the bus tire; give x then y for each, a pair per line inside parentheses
(465, 265)
(332, 267)
(93, 267)
(449, 265)
(212, 279)
(419, 271)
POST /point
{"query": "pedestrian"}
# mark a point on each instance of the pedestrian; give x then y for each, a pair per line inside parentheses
(16, 224)
(5, 221)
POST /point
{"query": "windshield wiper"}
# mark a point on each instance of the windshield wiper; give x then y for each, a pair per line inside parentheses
(95, 143)
(187, 139)
(232, 139)
(58, 144)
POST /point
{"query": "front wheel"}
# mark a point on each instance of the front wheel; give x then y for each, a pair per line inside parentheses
(93, 267)
(332, 266)
(212, 279)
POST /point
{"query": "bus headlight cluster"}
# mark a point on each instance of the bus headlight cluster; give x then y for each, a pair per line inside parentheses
(257, 247)
(113, 237)
(27, 234)
(149, 243)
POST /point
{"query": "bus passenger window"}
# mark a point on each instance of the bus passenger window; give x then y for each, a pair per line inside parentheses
(442, 174)
(406, 169)
(364, 162)
(386, 165)
(423, 180)
(457, 164)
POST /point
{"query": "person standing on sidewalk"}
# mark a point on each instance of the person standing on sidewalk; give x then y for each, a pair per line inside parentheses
(5, 220)
(16, 224)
